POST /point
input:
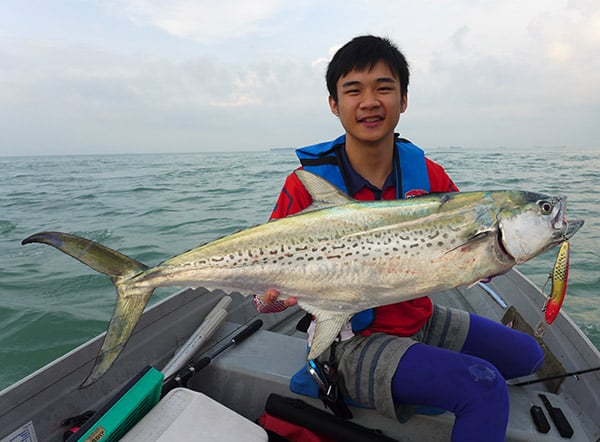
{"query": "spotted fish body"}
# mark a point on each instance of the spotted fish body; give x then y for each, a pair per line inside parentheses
(341, 256)
(331, 260)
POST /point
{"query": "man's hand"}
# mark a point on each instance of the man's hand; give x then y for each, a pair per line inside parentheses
(269, 303)
(271, 296)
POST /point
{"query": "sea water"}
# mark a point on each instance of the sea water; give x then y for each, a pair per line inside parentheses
(154, 206)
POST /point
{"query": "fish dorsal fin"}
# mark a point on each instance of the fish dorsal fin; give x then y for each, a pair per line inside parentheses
(323, 193)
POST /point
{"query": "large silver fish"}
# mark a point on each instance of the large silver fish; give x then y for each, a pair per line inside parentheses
(340, 256)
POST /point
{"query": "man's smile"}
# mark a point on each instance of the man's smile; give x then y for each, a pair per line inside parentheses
(371, 119)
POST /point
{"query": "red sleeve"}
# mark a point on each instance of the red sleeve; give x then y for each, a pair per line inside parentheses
(293, 198)
(439, 179)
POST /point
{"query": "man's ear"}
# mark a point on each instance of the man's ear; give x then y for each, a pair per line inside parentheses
(404, 102)
(334, 106)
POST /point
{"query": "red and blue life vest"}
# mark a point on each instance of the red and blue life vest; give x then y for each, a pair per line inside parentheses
(410, 167)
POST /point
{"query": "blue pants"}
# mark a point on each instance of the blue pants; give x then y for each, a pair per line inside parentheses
(471, 384)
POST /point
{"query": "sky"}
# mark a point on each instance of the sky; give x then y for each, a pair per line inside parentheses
(143, 76)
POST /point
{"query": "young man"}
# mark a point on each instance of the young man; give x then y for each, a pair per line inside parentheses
(413, 352)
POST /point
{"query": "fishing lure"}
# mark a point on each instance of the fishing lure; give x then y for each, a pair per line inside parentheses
(559, 278)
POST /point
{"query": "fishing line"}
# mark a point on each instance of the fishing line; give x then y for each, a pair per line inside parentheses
(558, 376)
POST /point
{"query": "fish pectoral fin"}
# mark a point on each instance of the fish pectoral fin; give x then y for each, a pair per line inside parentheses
(128, 310)
(328, 327)
(473, 239)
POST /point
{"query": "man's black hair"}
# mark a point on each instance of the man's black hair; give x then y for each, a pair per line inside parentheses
(365, 52)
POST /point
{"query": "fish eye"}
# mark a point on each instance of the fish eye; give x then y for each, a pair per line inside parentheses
(546, 207)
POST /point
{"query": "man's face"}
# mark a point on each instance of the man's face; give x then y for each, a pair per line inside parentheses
(369, 104)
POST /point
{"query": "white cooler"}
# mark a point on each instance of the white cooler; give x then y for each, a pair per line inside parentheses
(187, 415)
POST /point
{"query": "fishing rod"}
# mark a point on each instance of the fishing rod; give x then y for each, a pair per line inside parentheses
(184, 355)
(181, 378)
(558, 376)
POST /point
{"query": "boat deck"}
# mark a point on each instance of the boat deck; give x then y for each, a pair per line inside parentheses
(244, 376)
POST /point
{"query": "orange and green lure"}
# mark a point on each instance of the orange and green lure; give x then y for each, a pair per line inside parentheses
(559, 278)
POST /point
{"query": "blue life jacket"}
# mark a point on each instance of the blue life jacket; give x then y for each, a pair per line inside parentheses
(410, 167)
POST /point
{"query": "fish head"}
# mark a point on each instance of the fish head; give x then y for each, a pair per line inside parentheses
(533, 223)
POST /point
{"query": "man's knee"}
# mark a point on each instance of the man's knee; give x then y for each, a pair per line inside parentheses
(483, 386)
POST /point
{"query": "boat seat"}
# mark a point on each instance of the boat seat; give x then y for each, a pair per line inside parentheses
(244, 377)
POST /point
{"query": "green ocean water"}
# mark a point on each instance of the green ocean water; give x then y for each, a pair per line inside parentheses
(154, 206)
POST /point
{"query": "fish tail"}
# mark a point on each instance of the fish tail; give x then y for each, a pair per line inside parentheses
(100, 258)
(131, 299)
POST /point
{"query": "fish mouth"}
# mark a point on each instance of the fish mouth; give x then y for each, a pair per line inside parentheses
(571, 227)
(564, 228)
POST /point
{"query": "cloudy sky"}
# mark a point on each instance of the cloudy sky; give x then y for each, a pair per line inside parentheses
(85, 76)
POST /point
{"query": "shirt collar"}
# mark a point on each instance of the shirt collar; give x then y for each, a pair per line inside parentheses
(356, 182)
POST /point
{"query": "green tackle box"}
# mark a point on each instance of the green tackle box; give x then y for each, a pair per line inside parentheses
(121, 413)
